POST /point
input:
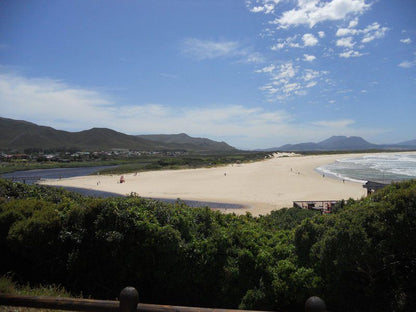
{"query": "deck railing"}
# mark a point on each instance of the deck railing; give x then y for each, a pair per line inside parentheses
(128, 302)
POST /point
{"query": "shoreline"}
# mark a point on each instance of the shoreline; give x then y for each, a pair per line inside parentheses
(258, 187)
(190, 203)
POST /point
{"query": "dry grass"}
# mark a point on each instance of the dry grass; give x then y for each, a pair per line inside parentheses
(8, 286)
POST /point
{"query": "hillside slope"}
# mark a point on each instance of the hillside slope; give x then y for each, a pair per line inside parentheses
(188, 142)
(21, 135)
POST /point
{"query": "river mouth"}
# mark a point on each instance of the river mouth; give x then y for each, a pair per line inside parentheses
(33, 176)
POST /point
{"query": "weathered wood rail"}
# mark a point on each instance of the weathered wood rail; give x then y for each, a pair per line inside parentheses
(128, 302)
(325, 206)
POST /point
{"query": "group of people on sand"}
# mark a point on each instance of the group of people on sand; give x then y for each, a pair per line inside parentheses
(297, 172)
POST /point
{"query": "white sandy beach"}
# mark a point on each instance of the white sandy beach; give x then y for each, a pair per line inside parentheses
(260, 186)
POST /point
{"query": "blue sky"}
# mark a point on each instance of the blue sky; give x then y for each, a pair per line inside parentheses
(256, 74)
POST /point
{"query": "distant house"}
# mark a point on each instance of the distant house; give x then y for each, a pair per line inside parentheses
(15, 156)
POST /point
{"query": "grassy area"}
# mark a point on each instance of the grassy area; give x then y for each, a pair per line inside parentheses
(184, 162)
(8, 286)
(6, 167)
(142, 163)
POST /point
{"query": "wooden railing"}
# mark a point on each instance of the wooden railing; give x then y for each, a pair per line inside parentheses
(128, 302)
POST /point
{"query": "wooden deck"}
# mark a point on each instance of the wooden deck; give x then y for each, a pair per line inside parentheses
(325, 206)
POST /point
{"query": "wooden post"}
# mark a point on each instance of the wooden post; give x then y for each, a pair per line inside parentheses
(129, 298)
(315, 304)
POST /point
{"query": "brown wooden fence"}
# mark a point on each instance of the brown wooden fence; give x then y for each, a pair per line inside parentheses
(128, 302)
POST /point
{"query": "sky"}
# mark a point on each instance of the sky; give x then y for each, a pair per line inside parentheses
(252, 73)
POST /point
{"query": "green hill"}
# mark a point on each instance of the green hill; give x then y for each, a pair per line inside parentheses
(188, 142)
(18, 135)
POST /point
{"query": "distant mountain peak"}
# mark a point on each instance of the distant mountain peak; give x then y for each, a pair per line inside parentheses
(334, 143)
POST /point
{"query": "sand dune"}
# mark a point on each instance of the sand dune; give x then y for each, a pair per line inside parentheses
(259, 186)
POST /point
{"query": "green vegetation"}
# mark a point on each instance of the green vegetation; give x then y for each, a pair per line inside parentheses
(139, 163)
(6, 167)
(361, 258)
(158, 162)
(8, 286)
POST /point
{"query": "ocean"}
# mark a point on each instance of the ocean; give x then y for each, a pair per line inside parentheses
(373, 167)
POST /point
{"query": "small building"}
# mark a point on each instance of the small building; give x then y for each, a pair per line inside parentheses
(373, 186)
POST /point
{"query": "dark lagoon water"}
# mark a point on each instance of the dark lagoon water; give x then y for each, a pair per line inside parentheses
(32, 176)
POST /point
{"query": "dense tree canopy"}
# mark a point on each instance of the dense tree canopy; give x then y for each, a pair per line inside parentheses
(361, 258)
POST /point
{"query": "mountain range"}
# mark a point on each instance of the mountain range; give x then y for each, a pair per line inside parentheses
(18, 135)
(344, 143)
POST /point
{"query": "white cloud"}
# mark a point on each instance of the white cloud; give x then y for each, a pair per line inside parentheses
(346, 32)
(370, 33)
(373, 31)
(251, 57)
(311, 84)
(312, 12)
(289, 88)
(353, 23)
(321, 34)
(309, 40)
(286, 71)
(342, 123)
(266, 6)
(267, 69)
(288, 42)
(278, 46)
(309, 58)
(288, 79)
(257, 9)
(310, 74)
(406, 41)
(42, 99)
(350, 53)
(346, 42)
(208, 49)
(407, 64)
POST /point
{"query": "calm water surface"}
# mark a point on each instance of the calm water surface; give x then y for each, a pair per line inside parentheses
(54, 173)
